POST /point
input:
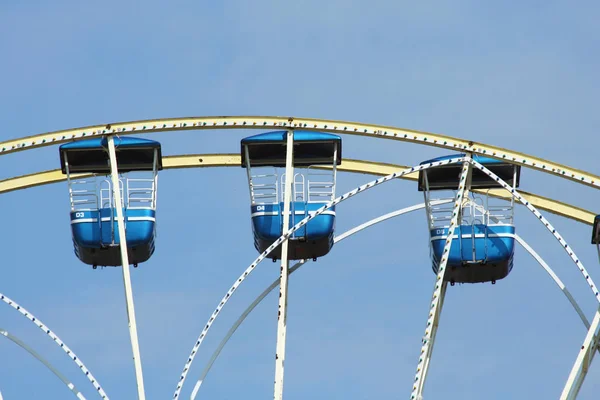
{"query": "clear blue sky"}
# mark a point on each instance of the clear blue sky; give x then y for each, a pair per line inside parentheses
(522, 76)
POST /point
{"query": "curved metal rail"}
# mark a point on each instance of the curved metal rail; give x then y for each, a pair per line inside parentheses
(556, 280)
(309, 124)
(56, 340)
(41, 359)
(348, 165)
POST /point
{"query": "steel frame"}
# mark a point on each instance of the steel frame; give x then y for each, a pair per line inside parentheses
(585, 356)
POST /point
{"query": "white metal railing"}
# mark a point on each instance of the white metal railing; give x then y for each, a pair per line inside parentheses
(141, 193)
(499, 212)
(440, 215)
(83, 195)
(473, 211)
(476, 210)
(282, 179)
(297, 195)
(321, 185)
(298, 187)
(312, 186)
(264, 188)
(106, 195)
(135, 193)
(96, 192)
(479, 214)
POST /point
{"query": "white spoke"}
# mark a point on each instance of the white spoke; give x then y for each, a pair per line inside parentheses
(114, 172)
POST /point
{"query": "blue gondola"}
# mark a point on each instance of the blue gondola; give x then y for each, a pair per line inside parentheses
(262, 155)
(93, 216)
(483, 242)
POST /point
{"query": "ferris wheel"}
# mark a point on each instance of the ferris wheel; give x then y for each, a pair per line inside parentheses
(469, 199)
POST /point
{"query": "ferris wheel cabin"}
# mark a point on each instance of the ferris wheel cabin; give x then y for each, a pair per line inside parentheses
(596, 234)
(482, 247)
(264, 157)
(93, 214)
(596, 231)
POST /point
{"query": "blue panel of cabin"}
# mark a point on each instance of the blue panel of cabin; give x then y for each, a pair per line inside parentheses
(266, 221)
(108, 225)
(298, 211)
(299, 136)
(498, 247)
(318, 227)
(480, 159)
(85, 227)
(139, 224)
(322, 225)
(101, 142)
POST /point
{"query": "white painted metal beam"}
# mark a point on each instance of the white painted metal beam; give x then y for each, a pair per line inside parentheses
(285, 265)
(135, 346)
